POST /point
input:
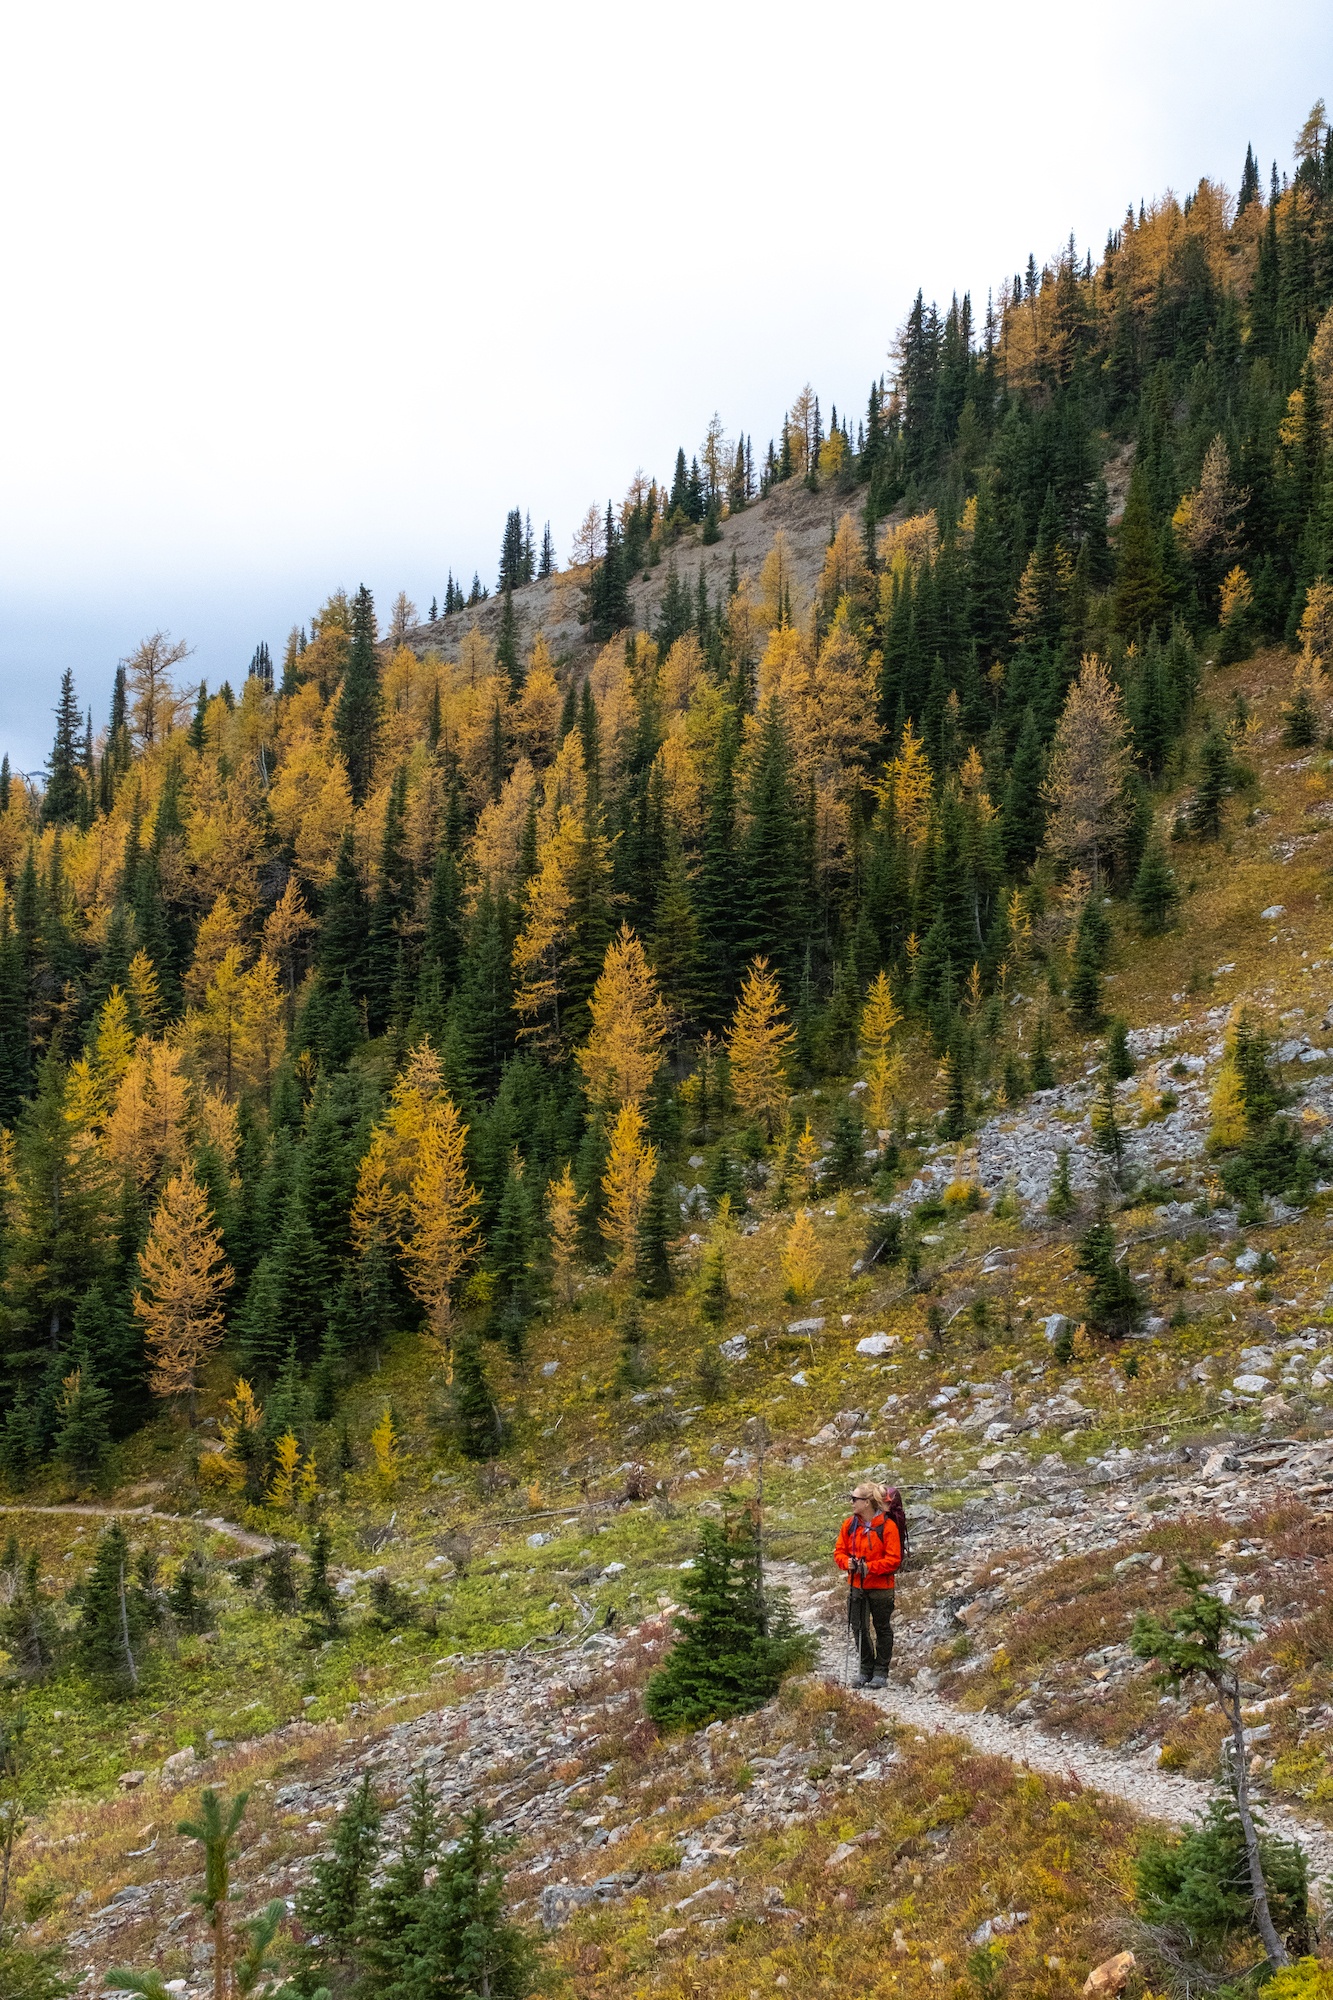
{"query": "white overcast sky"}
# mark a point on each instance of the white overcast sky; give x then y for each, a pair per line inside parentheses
(302, 295)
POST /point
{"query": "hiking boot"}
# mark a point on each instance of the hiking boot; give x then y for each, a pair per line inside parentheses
(865, 1681)
(877, 1681)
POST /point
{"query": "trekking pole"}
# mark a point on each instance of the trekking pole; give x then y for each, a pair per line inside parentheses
(847, 1649)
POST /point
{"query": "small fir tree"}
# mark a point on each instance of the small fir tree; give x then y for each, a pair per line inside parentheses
(1043, 1069)
(215, 1829)
(658, 1230)
(1156, 892)
(27, 1622)
(1213, 783)
(1114, 1305)
(846, 1163)
(186, 1599)
(955, 1121)
(83, 1421)
(1085, 982)
(110, 1617)
(1120, 1063)
(1106, 1132)
(1061, 1202)
(735, 1644)
(333, 1905)
(320, 1605)
(280, 1581)
(459, 1939)
(476, 1419)
(714, 1291)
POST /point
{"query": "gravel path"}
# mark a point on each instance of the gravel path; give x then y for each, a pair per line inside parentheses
(259, 1545)
(1162, 1795)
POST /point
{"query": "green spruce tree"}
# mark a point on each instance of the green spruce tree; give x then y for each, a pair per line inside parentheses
(734, 1644)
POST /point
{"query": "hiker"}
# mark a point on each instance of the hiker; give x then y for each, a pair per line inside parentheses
(870, 1549)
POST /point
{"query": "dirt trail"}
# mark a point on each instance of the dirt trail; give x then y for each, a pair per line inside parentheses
(259, 1545)
(1162, 1795)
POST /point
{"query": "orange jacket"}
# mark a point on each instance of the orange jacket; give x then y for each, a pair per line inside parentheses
(877, 1543)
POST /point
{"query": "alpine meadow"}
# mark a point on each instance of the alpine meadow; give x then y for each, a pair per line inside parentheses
(517, 1113)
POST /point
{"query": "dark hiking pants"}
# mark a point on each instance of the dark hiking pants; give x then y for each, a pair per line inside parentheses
(871, 1616)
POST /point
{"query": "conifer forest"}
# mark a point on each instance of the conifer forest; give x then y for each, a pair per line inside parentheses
(495, 1096)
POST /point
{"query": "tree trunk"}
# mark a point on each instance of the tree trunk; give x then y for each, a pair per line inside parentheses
(220, 1981)
(1229, 1695)
(125, 1632)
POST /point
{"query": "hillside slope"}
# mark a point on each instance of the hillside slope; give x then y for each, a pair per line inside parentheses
(482, 1105)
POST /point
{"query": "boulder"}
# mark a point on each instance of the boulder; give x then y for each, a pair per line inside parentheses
(1111, 1976)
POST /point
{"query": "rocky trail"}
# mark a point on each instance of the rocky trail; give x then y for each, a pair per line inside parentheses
(260, 1545)
(1157, 1794)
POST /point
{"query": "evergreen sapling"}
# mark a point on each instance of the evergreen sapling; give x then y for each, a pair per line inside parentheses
(734, 1644)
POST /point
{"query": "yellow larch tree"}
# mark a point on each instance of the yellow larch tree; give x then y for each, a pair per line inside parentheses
(537, 718)
(284, 927)
(240, 1431)
(880, 1021)
(808, 1154)
(1316, 626)
(113, 1044)
(261, 1033)
(378, 1206)
(145, 992)
(781, 600)
(906, 786)
(757, 1046)
(442, 1210)
(541, 948)
(286, 1459)
(497, 844)
(844, 573)
(800, 1258)
(146, 1128)
(183, 1278)
(216, 1028)
(623, 1052)
(326, 816)
(219, 934)
(384, 1176)
(217, 1125)
(563, 1206)
(1089, 763)
(1237, 596)
(630, 1165)
(386, 1452)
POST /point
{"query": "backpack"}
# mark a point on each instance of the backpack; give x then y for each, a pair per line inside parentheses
(897, 1513)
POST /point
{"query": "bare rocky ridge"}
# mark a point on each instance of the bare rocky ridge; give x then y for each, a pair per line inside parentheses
(552, 606)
